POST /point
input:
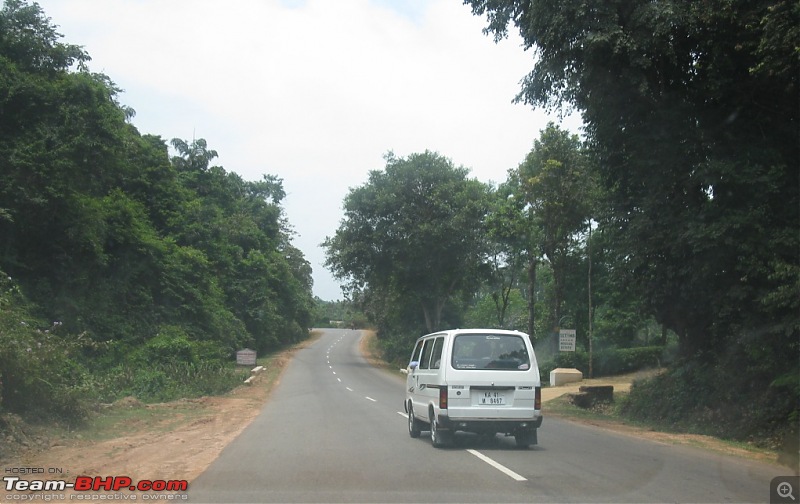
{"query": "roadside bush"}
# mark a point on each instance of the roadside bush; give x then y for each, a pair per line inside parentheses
(626, 360)
(205, 378)
(171, 366)
(162, 382)
(396, 350)
(716, 398)
(151, 385)
(40, 377)
(170, 345)
(44, 375)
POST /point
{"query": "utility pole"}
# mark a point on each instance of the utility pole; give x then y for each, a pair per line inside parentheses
(590, 299)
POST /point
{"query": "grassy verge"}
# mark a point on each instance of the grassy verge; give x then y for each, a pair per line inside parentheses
(132, 416)
(609, 416)
(371, 350)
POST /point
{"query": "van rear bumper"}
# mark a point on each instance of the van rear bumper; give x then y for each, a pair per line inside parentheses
(478, 425)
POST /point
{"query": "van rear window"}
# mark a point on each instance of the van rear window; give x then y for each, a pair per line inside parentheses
(490, 351)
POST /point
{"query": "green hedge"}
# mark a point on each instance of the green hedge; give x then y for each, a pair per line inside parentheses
(731, 399)
(606, 362)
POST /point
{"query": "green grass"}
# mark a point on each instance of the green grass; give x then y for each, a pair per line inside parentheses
(131, 415)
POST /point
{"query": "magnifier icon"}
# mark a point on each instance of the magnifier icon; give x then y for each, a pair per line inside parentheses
(785, 490)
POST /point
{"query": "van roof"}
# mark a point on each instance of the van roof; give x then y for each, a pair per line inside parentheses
(474, 331)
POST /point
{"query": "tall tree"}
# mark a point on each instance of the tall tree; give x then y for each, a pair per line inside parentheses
(104, 233)
(62, 152)
(31, 42)
(413, 230)
(239, 227)
(556, 184)
(692, 109)
(506, 236)
(514, 236)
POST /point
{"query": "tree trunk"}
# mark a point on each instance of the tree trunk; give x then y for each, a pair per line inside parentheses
(433, 320)
(558, 294)
(428, 321)
(531, 296)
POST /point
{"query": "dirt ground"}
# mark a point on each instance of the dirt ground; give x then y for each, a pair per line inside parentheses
(170, 441)
(178, 440)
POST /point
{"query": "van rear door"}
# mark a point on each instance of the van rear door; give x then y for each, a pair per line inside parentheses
(492, 376)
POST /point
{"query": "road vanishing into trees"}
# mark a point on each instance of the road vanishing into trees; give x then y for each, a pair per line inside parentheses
(334, 430)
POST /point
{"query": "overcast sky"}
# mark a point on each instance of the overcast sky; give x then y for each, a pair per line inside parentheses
(314, 91)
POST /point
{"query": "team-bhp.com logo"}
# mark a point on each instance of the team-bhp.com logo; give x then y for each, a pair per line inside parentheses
(94, 484)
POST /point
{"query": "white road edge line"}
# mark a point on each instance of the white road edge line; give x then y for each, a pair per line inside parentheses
(371, 399)
(404, 415)
(499, 467)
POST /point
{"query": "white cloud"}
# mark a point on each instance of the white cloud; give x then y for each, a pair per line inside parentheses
(313, 91)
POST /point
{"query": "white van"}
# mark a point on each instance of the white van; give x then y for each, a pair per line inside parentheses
(474, 380)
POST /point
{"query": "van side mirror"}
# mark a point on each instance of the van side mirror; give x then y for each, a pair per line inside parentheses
(413, 365)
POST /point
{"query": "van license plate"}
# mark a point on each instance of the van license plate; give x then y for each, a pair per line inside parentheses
(491, 398)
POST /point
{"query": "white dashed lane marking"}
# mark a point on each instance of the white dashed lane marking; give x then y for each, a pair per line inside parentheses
(500, 467)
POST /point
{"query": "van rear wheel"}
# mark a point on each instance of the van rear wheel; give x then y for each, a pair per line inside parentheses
(439, 439)
(525, 438)
(413, 424)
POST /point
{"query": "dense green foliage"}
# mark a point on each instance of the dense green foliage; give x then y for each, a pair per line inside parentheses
(341, 314)
(41, 374)
(155, 267)
(555, 185)
(674, 223)
(410, 243)
(691, 113)
(695, 397)
(703, 190)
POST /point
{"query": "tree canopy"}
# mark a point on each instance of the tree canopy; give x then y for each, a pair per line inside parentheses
(119, 242)
(694, 122)
(555, 182)
(134, 265)
(692, 113)
(413, 230)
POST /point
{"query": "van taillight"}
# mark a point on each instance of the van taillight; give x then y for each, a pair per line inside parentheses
(443, 397)
(537, 401)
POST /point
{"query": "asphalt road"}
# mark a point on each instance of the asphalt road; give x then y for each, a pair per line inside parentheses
(334, 431)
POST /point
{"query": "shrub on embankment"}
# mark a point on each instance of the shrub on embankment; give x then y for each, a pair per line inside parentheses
(722, 400)
(46, 374)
